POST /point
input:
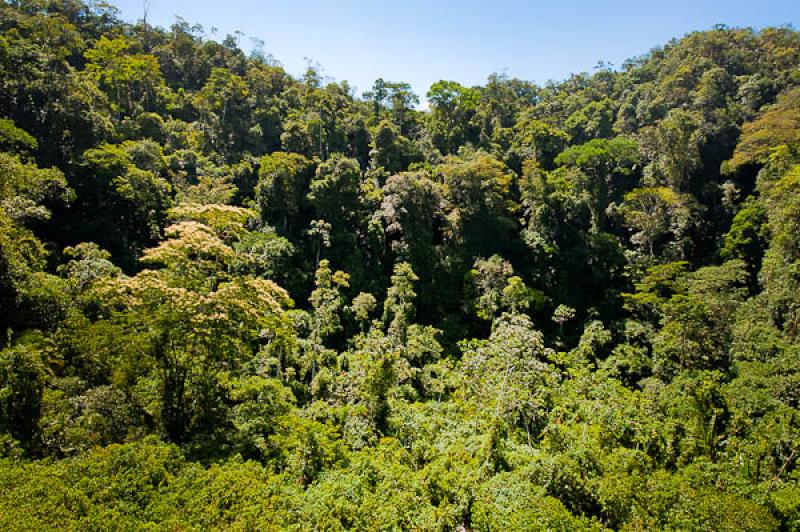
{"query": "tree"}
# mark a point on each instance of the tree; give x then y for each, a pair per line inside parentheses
(191, 325)
(411, 210)
(518, 297)
(602, 164)
(26, 194)
(390, 150)
(507, 377)
(697, 327)
(124, 190)
(320, 233)
(561, 315)
(282, 184)
(453, 106)
(779, 185)
(396, 98)
(479, 205)
(777, 125)
(89, 264)
(14, 139)
(537, 140)
(334, 191)
(26, 190)
(261, 403)
(673, 149)
(398, 307)
(747, 237)
(593, 121)
(132, 81)
(655, 213)
(224, 110)
(363, 306)
(327, 302)
(489, 278)
(22, 382)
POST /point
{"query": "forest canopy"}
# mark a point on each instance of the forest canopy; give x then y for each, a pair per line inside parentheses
(233, 298)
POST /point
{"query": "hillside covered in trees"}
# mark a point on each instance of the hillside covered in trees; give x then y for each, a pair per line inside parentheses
(235, 299)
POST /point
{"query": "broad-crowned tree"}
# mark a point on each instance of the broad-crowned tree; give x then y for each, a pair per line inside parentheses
(603, 166)
(193, 325)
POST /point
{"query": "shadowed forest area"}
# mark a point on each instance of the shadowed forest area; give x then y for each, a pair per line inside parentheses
(235, 299)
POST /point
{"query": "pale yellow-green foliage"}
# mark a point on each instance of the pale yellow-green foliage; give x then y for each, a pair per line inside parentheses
(186, 242)
(227, 220)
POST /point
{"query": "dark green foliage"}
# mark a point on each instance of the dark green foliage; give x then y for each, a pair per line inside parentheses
(232, 299)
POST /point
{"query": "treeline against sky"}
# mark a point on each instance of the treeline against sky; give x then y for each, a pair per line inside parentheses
(231, 298)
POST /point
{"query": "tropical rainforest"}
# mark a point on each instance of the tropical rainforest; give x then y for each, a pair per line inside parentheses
(236, 299)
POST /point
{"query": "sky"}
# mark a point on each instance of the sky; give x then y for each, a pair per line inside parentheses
(420, 42)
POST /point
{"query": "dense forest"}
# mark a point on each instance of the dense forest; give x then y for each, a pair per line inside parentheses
(231, 298)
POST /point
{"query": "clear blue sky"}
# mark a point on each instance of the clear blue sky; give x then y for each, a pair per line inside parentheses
(421, 41)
